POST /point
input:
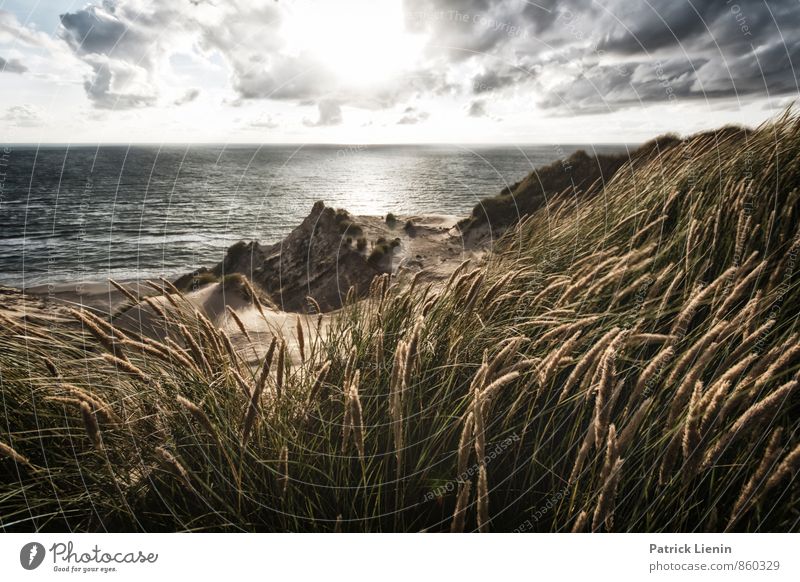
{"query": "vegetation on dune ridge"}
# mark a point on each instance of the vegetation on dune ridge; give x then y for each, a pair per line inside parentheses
(580, 175)
(625, 364)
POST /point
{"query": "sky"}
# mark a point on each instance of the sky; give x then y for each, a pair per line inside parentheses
(391, 71)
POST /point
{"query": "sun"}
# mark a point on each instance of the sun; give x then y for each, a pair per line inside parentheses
(362, 42)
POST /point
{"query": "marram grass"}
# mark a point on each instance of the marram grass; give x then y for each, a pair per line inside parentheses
(622, 363)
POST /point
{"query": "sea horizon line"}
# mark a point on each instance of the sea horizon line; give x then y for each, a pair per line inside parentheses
(352, 145)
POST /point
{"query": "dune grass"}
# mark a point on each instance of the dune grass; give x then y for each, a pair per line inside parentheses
(626, 363)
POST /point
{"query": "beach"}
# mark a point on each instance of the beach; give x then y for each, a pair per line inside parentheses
(428, 250)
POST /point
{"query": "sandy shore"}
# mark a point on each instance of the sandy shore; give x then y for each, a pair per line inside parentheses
(433, 246)
(51, 305)
(98, 295)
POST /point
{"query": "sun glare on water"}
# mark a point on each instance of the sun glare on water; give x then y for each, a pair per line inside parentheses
(361, 42)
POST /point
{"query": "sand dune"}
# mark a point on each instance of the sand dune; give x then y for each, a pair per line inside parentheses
(431, 246)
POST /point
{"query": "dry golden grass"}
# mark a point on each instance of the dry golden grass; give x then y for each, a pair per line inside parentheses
(630, 388)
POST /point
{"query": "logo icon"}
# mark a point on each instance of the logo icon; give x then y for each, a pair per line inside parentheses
(31, 555)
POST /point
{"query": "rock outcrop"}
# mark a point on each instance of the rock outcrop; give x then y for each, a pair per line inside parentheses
(318, 259)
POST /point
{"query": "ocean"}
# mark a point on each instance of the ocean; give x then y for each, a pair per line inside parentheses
(87, 213)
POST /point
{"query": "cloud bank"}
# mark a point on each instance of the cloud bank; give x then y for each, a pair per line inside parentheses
(566, 57)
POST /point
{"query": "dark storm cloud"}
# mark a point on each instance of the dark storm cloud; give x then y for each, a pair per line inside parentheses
(649, 26)
(472, 28)
(603, 89)
(667, 49)
(732, 25)
(677, 50)
(12, 66)
(466, 28)
(766, 72)
(544, 15)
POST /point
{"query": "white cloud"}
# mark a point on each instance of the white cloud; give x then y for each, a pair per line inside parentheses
(477, 108)
(12, 66)
(24, 116)
(413, 116)
(189, 96)
(330, 113)
(455, 60)
(125, 43)
(14, 32)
